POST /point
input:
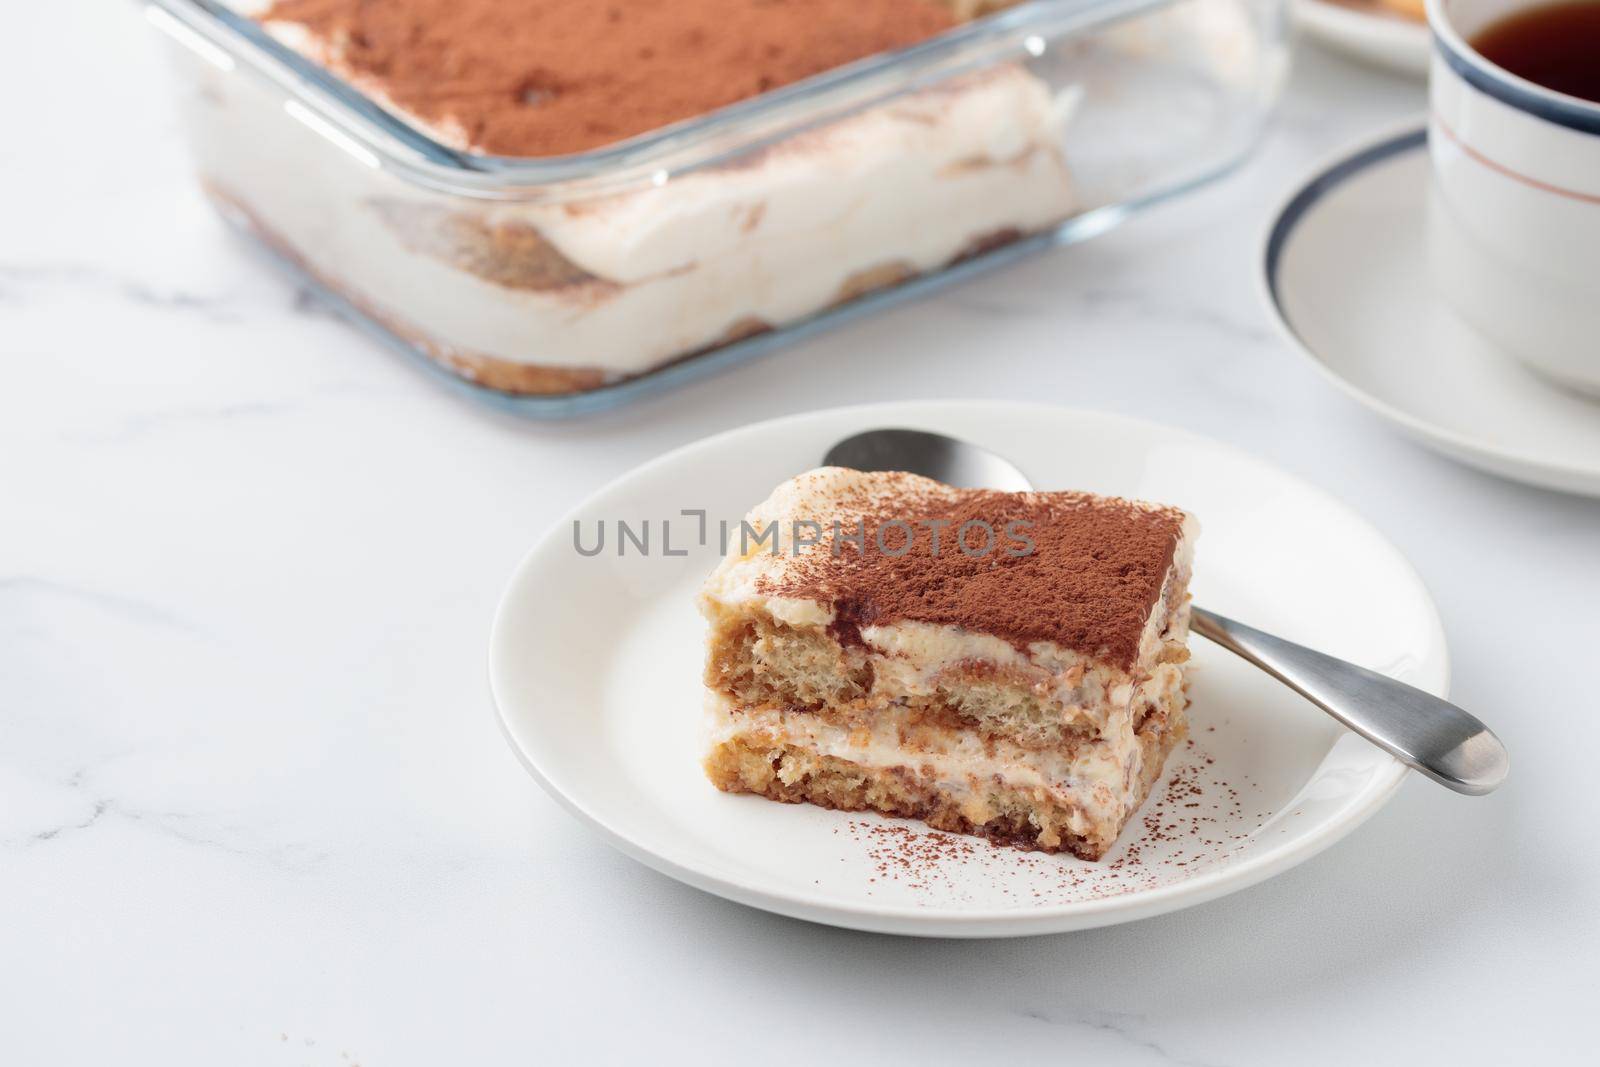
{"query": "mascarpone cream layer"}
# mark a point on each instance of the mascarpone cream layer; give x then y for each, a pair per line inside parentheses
(1100, 779)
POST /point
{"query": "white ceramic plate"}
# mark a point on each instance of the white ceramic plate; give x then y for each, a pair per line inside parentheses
(1362, 31)
(1345, 272)
(595, 666)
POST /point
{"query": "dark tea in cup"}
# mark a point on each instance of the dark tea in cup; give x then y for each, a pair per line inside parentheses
(1553, 45)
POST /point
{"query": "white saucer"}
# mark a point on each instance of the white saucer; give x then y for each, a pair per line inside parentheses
(595, 666)
(1344, 270)
(1364, 32)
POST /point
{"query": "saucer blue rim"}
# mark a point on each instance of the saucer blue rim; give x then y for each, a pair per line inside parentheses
(1316, 189)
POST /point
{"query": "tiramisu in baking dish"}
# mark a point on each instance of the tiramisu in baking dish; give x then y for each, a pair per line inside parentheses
(556, 198)
(1003, 664)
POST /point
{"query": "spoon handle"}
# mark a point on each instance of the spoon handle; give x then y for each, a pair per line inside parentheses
(1434, 736)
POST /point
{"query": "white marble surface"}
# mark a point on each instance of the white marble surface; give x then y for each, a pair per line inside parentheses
(254, 808)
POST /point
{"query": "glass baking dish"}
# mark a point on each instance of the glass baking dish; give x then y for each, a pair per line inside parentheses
(555, 286)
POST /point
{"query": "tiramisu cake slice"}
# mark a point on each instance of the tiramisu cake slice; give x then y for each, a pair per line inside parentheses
(1002, 664)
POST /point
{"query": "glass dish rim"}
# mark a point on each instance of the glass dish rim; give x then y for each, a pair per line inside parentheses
(382, 139)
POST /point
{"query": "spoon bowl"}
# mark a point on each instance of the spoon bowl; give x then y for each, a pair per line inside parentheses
(957, 463)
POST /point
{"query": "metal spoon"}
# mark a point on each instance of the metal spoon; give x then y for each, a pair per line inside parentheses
(1432, 735)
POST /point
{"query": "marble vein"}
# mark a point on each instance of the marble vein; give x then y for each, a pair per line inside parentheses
(129, 609)
(1123, 1026)
(82, 278)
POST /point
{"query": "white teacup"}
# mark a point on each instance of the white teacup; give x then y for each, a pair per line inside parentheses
(1514, 215)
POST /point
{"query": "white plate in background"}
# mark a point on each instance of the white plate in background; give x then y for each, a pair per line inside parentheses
(1345, 272)
(595, 666)
(1362, 30)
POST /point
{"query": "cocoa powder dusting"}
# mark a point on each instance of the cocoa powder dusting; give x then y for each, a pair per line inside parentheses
(551, 77)
(1094, 572)
(1193, 820)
